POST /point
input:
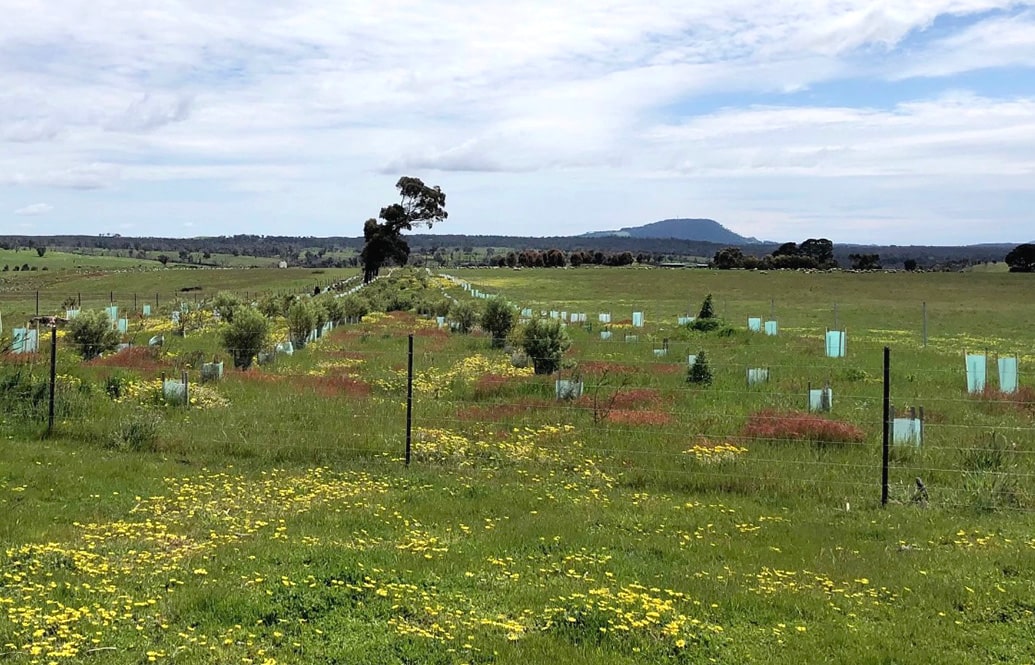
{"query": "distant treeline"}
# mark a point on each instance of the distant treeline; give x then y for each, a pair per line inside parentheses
(449, 250)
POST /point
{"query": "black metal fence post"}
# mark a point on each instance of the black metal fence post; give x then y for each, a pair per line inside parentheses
(53, 378)
(409, 399)
(886, 444)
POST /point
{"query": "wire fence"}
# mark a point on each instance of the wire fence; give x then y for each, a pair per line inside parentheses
(876, 433)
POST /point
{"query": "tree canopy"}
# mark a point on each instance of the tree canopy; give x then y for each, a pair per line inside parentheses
(419, 205)
(1022, 258)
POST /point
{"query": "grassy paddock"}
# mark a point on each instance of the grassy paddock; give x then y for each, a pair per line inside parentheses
(274, 520)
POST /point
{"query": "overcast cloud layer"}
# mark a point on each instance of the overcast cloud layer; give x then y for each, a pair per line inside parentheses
(860, 120)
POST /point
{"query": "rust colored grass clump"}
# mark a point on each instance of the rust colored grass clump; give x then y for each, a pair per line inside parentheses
(135, 357)
(337, 385)
(997, 402)
(800, 426)
(21, 358)
(631, 398)
(490, 385)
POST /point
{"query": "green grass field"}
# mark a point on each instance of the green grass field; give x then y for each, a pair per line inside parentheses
(275, 522)
(56, 260)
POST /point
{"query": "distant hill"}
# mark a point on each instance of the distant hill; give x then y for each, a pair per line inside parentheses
(700, 230)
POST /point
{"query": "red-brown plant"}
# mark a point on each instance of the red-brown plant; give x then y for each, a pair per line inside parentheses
(800, 426)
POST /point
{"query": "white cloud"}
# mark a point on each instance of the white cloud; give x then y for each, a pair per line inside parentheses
(998, 42)
(150, 112)
(83, 176)
(253, 103)
(952, 135)
(34, 210)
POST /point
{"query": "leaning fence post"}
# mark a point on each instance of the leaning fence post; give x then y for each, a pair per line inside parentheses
(409, 398)
(886, 444)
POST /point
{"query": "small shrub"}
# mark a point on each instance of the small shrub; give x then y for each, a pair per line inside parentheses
(92, 333)
(704, 325)
(544, 342)
(225, 304)
(800, 426)
(498, 320)
(355, 307)
(335, 310)
(700, 373)
(115, 386)
(270, 306)
(397, 300)
(320, 314)
(707, 309)
(464, 314)
(190, 321)
(135, 433)
(301, 319)
(246, 336)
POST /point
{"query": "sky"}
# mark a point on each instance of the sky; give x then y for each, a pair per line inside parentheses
(864, 121)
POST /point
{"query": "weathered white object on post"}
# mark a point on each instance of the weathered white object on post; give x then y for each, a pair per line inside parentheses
(908, 430)
(212, 371)
(25, 340)
(174, 391)
(821, 399)
(757, 375)
(568, 389)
